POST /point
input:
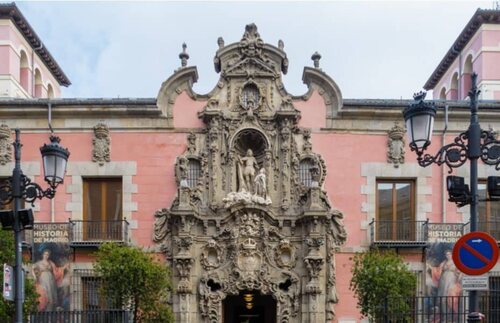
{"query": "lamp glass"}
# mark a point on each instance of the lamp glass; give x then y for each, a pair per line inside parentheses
(55, 158)
(420, 128)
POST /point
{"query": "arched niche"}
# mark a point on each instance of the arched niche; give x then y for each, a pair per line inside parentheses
(251, 138)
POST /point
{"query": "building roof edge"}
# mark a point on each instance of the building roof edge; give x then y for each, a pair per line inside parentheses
(12, 12)
(481, 16)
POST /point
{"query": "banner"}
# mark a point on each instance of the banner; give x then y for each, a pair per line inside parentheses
(442, 277)
(8, 282)
(51, 267)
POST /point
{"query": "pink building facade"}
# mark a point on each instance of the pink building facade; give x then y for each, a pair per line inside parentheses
(327, 177)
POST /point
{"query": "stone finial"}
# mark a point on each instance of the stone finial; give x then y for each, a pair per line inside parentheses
(220, 42)
(251, 44)
(184, 56)
(316, 57)
(281, 44)
(5, 145)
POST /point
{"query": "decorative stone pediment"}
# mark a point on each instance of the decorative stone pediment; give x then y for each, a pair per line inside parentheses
(251, 50)
(250, 212)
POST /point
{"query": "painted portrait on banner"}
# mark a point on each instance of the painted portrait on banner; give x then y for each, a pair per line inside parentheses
(443, 279)
(51, 266)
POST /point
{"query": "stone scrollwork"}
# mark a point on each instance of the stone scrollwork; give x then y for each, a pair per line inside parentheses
(183, 266)
(5, 145)
(211, 255)
(336, 236)
(211, 297)
(285, 255)
(101, 144)
(247, 268)
(249, 258)
(183, 244)
(249, 224)
(395, 145)
(314, 264)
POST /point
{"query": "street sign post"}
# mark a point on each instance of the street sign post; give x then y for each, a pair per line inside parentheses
(475, 253)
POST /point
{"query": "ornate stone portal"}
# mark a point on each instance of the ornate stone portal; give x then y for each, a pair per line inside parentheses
(250, 214)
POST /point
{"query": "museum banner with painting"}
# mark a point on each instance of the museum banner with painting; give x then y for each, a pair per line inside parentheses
(443, 279)
(51, 266)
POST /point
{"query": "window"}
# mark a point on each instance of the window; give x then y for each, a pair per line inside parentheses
(489, 213)
(24, 72)
(395, 210)
(102, 209)
(87, 294)
(442, 94)
(305, 171)
(50, 91)
(194, 171)
(38, 83)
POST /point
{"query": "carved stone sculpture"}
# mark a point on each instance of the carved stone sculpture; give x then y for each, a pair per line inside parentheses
(182, 171)
(246, 171)
(251, 44)
(5, 145)
(101, 144)
(395, 145)
(260, 184)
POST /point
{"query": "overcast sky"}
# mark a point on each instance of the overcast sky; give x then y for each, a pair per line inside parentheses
(127, 49)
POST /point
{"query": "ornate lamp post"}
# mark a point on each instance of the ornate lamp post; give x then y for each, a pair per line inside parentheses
(470, 145)
(18, 188)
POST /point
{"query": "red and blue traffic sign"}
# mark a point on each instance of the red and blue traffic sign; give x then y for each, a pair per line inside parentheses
(475, 253)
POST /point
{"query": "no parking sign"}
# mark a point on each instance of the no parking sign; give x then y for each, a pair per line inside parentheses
(475, 253)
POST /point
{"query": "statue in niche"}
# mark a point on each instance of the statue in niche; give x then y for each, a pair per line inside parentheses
(246, 171)
(183, 171)
(260, 184)
(251, 189)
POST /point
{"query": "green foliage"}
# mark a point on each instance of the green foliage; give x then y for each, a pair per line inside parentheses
(7, 308)
(132, 279)
(382, 282)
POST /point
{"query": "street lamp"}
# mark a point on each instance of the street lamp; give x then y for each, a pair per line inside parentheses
(470, 145)
(19, 187)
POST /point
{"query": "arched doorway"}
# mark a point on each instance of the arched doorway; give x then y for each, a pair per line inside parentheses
(249, 307)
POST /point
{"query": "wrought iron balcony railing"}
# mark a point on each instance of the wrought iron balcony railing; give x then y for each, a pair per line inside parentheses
(426, 309)
(93, 233)
(86, 316)
(491, 227)
(399, 233)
